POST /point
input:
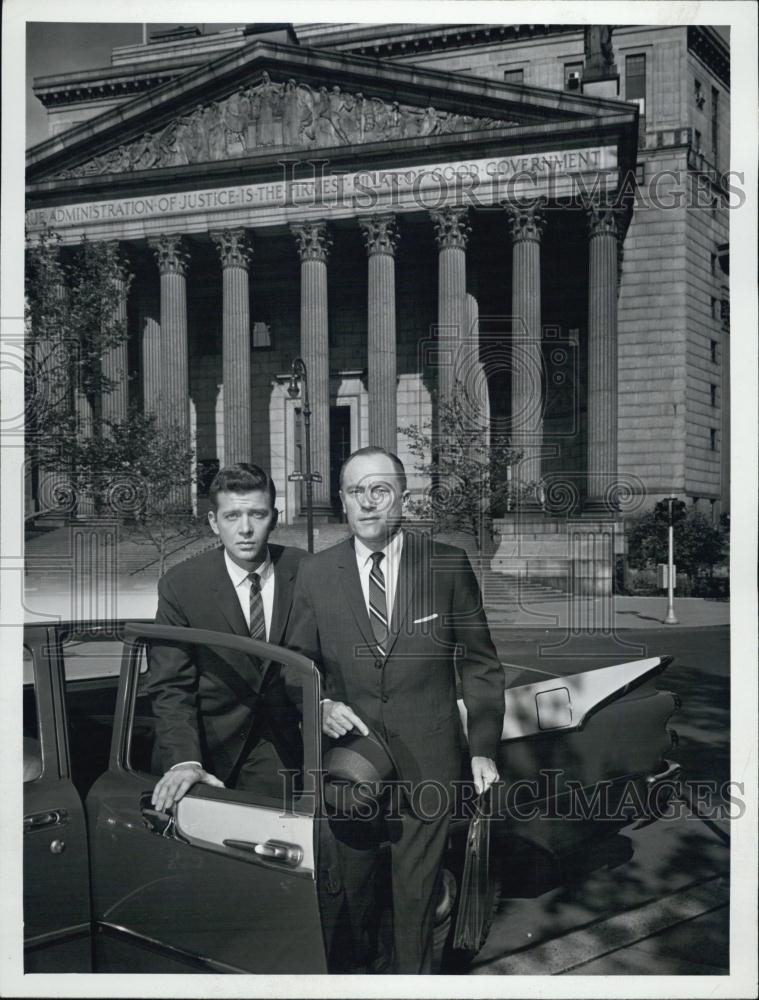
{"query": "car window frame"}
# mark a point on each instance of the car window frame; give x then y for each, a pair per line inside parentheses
(35, 690)
(309, 801)
(43, 643)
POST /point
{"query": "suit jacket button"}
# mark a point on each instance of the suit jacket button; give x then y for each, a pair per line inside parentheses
(378, 664)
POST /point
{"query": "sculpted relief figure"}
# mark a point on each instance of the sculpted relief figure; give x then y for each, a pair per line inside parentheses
(266, 114)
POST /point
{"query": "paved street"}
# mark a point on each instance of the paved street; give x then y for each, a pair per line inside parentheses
(644, 901)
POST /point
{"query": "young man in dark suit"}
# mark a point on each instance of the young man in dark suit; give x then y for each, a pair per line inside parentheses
(222, 717)
(389, 616)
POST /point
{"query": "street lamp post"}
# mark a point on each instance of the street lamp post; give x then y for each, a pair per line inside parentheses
(299, 374)
(670, 618)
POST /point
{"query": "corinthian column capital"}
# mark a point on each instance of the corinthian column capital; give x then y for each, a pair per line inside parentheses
(380, 234)
(452, 227)
(526, 222)
(234, 247)
(603, 220)
(171, 253)
(312, 239)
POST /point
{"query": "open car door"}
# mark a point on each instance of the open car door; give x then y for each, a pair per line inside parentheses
(228, 883)
(56, 877)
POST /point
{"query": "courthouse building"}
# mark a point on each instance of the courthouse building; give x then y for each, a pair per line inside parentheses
(537, 211)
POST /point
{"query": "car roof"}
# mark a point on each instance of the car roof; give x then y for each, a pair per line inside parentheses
(53, 607)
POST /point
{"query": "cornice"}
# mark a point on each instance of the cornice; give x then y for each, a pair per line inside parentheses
(407, 39)
(711, 50)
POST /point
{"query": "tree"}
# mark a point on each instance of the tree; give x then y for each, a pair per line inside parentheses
(142, 470)
(699, 545)
(74, 314)
(469, 472)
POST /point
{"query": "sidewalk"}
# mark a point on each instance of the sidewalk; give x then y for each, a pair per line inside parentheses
(599, 614)
(124, 585)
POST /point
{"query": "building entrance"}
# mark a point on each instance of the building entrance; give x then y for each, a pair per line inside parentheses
(339, 448)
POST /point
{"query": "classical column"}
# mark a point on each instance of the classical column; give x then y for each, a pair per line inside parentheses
(56, 491)
(313, 244)
(115, 364)
(526, 374)
(475, 377)
(235, 252)
(602, 358)
(452, 231)
(173, 258)
(381, 237)
(150, 346)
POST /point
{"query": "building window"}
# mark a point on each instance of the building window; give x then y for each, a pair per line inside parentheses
(699, 94)
(713, 351)
(572, 75)
(635, 81)
(713, 394)
(697, 140)
(724, 312)
(716, 308)
(713, 439)
(714, 265)
(715, 124)
(513, 76)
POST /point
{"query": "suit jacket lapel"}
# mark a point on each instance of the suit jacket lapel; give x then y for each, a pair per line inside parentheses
(226, 598)
(284, 582)
(406, 586)
(354, 595)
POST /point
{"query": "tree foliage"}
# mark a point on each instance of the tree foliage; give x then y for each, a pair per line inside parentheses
(699, 545)
(74, 314)
(143, 471)
(469, 471)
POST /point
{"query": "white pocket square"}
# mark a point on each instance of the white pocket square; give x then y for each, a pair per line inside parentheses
(427, 619)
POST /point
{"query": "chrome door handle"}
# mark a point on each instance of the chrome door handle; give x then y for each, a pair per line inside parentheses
(38, 821)
(272, 850)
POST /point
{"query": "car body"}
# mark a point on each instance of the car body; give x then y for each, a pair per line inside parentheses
(233, 883)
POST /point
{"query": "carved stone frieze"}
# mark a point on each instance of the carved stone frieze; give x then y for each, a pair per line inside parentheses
(277, 114)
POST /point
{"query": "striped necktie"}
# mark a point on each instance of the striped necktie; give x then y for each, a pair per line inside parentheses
(257, 620)
(378, 601)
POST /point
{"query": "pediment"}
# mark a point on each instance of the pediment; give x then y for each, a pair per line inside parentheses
(270, 97)
(279, 113)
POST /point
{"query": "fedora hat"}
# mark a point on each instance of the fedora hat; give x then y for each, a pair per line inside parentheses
(355, 768)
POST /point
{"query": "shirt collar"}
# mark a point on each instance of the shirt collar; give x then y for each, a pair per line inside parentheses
(238, 575)
(392, 550)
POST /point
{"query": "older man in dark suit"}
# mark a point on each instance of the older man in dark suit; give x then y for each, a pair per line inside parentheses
(222, 717)
(389, 616)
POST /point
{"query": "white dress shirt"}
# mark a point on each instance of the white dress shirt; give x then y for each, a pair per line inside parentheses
(389, 566)
(241, 583)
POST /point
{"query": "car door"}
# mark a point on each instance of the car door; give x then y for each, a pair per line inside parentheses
(228, 883)
(56, 871)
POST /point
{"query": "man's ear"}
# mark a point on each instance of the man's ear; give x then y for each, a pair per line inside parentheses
(274, 518)
(405, 498)
(342, 501)
(212, 522)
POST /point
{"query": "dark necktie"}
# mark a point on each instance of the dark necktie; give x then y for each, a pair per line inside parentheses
(257, 620)
(378, 601)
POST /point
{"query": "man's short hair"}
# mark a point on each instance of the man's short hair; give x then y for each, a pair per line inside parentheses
(241, 478)
(374, 450)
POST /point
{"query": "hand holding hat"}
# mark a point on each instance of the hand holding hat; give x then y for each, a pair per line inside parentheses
(339, 719)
